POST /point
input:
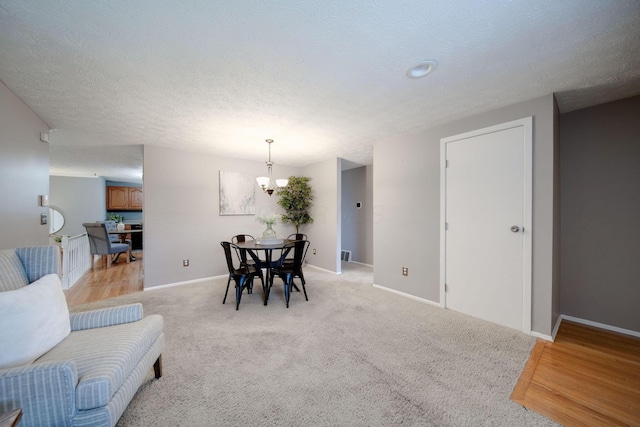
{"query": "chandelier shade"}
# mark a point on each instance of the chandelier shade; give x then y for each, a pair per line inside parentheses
(267, 183)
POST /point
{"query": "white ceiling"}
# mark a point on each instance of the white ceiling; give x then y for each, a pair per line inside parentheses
(323, 78)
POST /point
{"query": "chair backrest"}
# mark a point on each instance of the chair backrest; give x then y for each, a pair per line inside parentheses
(299, 253)
(110, 225)
(99, 242)
(242, 254)
(297, 236)
(231, 261)
(239, 238)
(226, 246)
(299, 250)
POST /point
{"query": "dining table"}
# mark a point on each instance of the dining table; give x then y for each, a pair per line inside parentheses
(267, 246)
(122, 234)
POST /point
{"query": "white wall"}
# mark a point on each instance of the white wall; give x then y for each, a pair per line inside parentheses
(24, 173)
(406, 180)
(79, 200)
(181, 213)
(324, 233)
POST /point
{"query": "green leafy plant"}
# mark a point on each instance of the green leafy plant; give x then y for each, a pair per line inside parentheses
(115, 217)
(296, 200)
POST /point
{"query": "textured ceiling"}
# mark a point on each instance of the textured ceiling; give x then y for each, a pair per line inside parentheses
(322, 78)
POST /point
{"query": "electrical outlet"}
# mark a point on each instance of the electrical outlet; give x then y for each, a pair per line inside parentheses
(185, 263)
(314, 251)
(405, 271)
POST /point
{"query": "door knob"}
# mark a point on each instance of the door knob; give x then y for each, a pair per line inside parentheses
(515, 228)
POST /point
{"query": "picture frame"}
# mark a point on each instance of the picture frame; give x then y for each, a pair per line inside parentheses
(237, 194)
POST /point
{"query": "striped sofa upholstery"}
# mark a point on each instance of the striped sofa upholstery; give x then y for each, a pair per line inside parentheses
(90, 377)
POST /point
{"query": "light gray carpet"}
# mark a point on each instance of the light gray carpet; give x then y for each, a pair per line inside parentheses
(353, 355)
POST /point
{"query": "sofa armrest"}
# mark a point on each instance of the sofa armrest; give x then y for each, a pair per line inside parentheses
(44, 391)
(39, 261)
(105, 317)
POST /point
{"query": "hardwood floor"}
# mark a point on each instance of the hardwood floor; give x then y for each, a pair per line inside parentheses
(587, 377)
(102, 283)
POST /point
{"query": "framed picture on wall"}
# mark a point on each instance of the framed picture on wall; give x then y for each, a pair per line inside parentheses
(237, 194)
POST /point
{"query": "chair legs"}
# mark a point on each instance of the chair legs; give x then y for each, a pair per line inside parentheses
(288, 285)
(227, 291)
(261, 276)
(302, 278)
(287, 288)
(241, 283)
(107, 259)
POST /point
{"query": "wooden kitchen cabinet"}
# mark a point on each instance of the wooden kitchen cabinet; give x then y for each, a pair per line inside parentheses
(124, 198)
(135, 198)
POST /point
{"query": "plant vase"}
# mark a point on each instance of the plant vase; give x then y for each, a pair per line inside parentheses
(269, 233)
(120, 226)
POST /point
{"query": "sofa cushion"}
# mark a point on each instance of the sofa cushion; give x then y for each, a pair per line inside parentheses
(39, 261)
(105, 357)
(12, 274)
(34, 319)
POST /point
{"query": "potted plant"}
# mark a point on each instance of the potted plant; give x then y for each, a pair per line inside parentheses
(296, 200)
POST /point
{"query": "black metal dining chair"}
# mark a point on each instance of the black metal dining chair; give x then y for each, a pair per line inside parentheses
(297, 236)
(289, 259)
(241, 238)
(287, 272)
(242, 275)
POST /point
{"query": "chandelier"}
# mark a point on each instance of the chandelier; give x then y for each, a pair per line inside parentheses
(267, 182)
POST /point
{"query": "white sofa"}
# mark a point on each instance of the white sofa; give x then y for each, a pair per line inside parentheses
(97, 359)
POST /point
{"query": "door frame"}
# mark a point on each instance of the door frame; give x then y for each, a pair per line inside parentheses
(527, 124)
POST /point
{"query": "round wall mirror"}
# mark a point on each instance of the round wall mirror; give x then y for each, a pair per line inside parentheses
(56, 220)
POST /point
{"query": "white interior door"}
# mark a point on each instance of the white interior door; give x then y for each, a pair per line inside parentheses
(487, 224)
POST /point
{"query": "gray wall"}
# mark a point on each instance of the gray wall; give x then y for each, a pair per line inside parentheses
(181, 213)
(357, 224)
(557, 222)
(599, 235)
(324, 233)
(406, 179)
(24, 173)
(79, 200)
(600, 152)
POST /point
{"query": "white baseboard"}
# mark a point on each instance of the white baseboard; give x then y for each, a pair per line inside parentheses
(413, 297)
(556, 327)
(601, 325)
(186, 282)
(543, 336)
(361, 263)
(323, 269)
(604, 326)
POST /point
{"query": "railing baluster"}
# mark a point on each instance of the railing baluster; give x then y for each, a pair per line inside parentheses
(75, 258)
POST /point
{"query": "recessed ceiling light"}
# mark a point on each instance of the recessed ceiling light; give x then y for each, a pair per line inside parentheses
(421, 69)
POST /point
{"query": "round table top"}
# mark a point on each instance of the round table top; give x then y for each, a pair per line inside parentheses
(255, 244)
